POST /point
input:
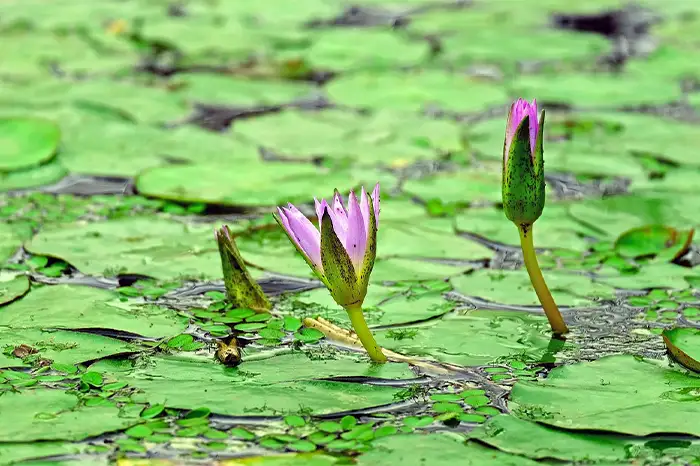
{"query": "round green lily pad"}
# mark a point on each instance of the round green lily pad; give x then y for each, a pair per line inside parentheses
(12, 287)
(653, 239)
(243, 183)
(25, 142)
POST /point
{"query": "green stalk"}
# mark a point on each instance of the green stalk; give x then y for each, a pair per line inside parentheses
(533, 269)
(359, 324)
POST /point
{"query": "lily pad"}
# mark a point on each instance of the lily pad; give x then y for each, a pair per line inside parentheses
(653, 239)
(419, 450)
(408, 239)
(82, 307)
(513, 287)
(415, 91)
(236, 91)
(488, 46)
(472, 339)
(44, 414)
(249, 184)
(281, 384)
(586, 91)
(357, 49)
(381, 307)
(10, 241)
(652, 275)
(305, 459)
(159, 248)
(70, 52)
(622, 394)
(615, 215)
(11, 453)
(12, 287)
(31, 178)
(26, 142)
(521, 437)
(684, 345)
(555, 229)
(410, 270)
(463, 187)
(385, 137)
(116, 148)
(61, 347)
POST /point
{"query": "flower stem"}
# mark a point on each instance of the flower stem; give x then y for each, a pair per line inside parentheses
(359, 324)
(533, 269)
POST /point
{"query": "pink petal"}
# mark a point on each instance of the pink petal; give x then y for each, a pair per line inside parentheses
(319, 210)
(510, 132)
(534, 125)
(339, 209)
(306, 235)
(518, 110)
(356, 241)
(340, 226)
(375, 201)
(364, 208)
(285, 221)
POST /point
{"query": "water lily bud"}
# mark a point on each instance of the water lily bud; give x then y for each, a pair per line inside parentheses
(241, 289)
(523, 164)
(342, 253)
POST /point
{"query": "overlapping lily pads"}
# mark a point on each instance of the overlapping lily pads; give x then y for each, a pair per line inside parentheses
(158, 248)
(540, 442)
(245, 184)
(472, 339)
(513, 287)
(57, 346)
(415, 450)
(416, 91)
(617, 393)
(57, 415)
(290, 383)
(86, 308)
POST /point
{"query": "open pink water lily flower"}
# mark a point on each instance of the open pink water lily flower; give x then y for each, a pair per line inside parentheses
(518, 111)
(342, 250)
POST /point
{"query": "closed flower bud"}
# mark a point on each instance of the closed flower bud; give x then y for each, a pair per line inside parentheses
(523, 164)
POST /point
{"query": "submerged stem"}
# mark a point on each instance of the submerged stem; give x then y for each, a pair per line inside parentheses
(359, 324)
(533, 269)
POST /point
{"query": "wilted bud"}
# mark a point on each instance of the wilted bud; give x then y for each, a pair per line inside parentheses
(523, 164)
(241, 289)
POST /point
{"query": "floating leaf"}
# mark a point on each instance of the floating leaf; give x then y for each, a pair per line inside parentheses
(25, 142)
(621, 394)
(653, 240)
(684, 345)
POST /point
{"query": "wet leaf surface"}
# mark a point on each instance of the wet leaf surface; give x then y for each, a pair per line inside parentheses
(82, 307)
(622, 394)
(56, 415)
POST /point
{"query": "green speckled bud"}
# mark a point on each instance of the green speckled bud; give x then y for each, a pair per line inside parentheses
(523, 164)
(241, 289)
